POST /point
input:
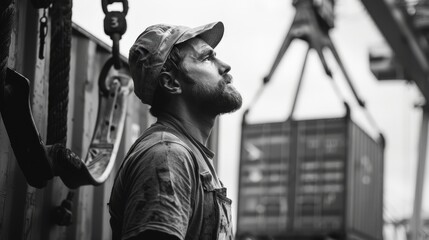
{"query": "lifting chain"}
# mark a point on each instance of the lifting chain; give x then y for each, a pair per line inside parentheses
(115, 26)
(43, 23)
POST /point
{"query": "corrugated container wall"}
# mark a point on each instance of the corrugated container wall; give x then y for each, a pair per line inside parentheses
(26, 212)
(310, 179)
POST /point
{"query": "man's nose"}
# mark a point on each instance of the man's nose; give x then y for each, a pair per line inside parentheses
(223, 67)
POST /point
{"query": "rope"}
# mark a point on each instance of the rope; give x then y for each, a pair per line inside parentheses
(7, 12)
(65, 159)
(59, 69)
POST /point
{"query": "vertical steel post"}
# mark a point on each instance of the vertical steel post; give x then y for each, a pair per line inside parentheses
(416, 221)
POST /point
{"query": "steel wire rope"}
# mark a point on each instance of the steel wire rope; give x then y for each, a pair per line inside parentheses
(337, 90)
(367, 114)
(298, 87)
(358, 99)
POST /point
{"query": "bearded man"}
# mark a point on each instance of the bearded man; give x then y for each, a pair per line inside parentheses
(167, 187)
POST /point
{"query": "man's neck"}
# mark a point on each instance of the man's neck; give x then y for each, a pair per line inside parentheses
(198, 125)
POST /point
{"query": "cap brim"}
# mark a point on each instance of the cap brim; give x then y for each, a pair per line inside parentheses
(211, 33)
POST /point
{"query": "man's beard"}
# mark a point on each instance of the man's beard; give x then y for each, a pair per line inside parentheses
(222, 99)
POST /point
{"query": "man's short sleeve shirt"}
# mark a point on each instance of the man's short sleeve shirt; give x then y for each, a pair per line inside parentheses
(156, 189)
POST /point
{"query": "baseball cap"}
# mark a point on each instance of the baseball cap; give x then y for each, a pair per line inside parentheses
(152, 47)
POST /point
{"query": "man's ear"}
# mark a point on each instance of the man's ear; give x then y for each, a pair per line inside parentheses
(169, 83)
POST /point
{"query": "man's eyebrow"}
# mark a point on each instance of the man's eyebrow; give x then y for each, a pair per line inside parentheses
(206, 52)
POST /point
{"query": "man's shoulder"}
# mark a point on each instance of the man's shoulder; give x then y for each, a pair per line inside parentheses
(161, 150)
(160, 138)
(160, 143)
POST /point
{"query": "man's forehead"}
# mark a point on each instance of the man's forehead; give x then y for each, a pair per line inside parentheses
(196, 46)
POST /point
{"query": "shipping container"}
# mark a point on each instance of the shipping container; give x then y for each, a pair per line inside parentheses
(310, 179)
(27, 212)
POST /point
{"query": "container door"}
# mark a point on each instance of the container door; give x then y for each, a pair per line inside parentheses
(263, 183)
(319, 189)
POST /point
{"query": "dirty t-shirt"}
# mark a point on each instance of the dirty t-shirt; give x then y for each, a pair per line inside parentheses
(156, 189)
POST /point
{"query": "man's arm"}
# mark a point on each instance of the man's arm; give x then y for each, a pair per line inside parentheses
(160, 202)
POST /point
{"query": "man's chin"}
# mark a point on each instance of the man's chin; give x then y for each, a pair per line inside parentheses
(225, 100)
(233, 103)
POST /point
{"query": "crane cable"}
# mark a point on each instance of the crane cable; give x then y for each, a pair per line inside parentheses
(336, 89)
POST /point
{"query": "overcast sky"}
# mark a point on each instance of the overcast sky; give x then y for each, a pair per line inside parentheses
(254, 31)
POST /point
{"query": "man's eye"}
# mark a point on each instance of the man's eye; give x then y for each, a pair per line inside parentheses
(210, 57)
